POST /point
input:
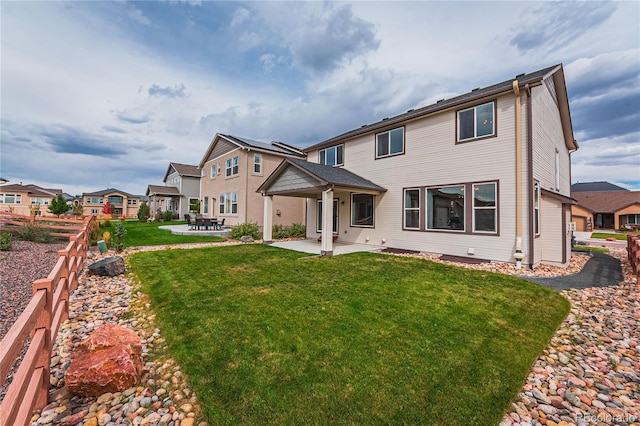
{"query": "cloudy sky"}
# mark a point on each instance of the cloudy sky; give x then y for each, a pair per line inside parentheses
(106, 94)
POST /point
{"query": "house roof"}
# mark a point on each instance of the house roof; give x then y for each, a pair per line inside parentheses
(162, 190)
(323, 176)
(475, 95)
(595, 187)
(108, 191)
(607, 201)
(183, 170)
(277, 148)
(32, 190)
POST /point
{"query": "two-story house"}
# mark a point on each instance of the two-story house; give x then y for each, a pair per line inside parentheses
(124, 204)
(180, 193)
(17, 198)
(232, 169)
(482, 175)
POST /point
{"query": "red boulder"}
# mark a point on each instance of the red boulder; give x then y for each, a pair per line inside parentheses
(110, 360)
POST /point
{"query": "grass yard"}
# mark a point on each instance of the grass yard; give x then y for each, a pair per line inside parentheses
(604, 236)
(272, 336)
(148, 234)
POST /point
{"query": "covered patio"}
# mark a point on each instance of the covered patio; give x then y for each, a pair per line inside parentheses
(299, 178)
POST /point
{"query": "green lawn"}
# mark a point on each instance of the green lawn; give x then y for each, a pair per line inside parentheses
(272, 336)
(148, 234)
(604, 235)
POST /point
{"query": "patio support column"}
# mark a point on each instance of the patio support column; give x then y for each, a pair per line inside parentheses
(267, 220)
(326, 248)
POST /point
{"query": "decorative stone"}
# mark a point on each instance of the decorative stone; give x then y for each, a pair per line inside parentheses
(110, 360)
(107, 267)
(246, 239)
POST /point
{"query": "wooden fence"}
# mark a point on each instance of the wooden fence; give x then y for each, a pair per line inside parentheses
(41, 319)
(58, 227)
(633, 251)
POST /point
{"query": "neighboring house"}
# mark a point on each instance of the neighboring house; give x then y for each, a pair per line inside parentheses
(232, 169)
(3, 180)
(17, 198)
(602, 205)
(486, 174)
(180, 192)
(125, 205)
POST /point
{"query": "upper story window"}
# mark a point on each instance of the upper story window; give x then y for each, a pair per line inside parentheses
(132, 202)
(114, 199)
(232, 166)
(203, 173)
(11, 198)
(94, 200)
(213, 171)
(477, 122)
(332, 156)
(257, 163)
(390, 143)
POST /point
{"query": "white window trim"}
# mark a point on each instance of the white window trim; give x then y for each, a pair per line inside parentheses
(536, 208)
(230, 164)
(212, 173)
(390, 154)
(475, 124)
(405, 208)
(335, 155)
(222, 205)
(257, 156)
(494, 208)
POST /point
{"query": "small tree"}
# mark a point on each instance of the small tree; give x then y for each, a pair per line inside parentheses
(144, 212)
(58, 206)
(77, 210)
(107, 208)
(195, 206)
(119, 233)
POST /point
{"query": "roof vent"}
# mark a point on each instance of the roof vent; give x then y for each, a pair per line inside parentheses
(409, 110)
(477, 88)
(441, 100)
(364, 125)
(386, 118)
(520, 75)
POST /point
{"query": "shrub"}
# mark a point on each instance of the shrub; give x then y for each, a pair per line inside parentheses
(244, 229)
(119, 233)
(106, 237)
(144, 212)
(5, 241)
(158, 216)
(34, 233)
(105, 223)
(295, 230)
(167, 216)
(94, 232)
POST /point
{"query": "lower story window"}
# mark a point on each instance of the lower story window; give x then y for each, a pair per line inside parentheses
(205, 207)
(194, 205)
(362, 210)
(229, 203)
(484, 207)
(446, 208)
(633, 219)
(412, 208)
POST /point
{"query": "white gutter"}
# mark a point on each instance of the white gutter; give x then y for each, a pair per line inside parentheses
(518, 255)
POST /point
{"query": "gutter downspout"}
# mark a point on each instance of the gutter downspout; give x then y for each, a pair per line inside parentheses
(518, 255)
(530, 173)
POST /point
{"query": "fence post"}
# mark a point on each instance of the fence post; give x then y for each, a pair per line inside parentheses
(44, 321)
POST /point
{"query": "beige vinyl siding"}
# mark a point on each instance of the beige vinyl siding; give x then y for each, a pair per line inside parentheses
(432, 158)
(547, 138)
(551, 232)
(222, 147)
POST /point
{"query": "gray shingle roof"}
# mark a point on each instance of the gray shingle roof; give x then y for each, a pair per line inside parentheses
(162, 190)
(479, 93)
(109, 191)
(186, 169)
(337, 176)
(595, 187)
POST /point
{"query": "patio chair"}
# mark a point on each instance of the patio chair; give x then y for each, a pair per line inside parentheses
(189, 223)
(219, 225)
(199, 222)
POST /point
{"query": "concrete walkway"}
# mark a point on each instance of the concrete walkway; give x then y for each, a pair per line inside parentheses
(601, 270)
(313, 247)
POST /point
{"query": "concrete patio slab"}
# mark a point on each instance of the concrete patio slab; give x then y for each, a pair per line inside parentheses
(185, 230)
(313, 247)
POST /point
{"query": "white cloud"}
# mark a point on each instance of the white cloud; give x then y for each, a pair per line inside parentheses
(137, 16)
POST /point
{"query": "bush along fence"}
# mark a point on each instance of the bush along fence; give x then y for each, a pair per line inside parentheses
(38, 326)
(633, 251)
(57, 227)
